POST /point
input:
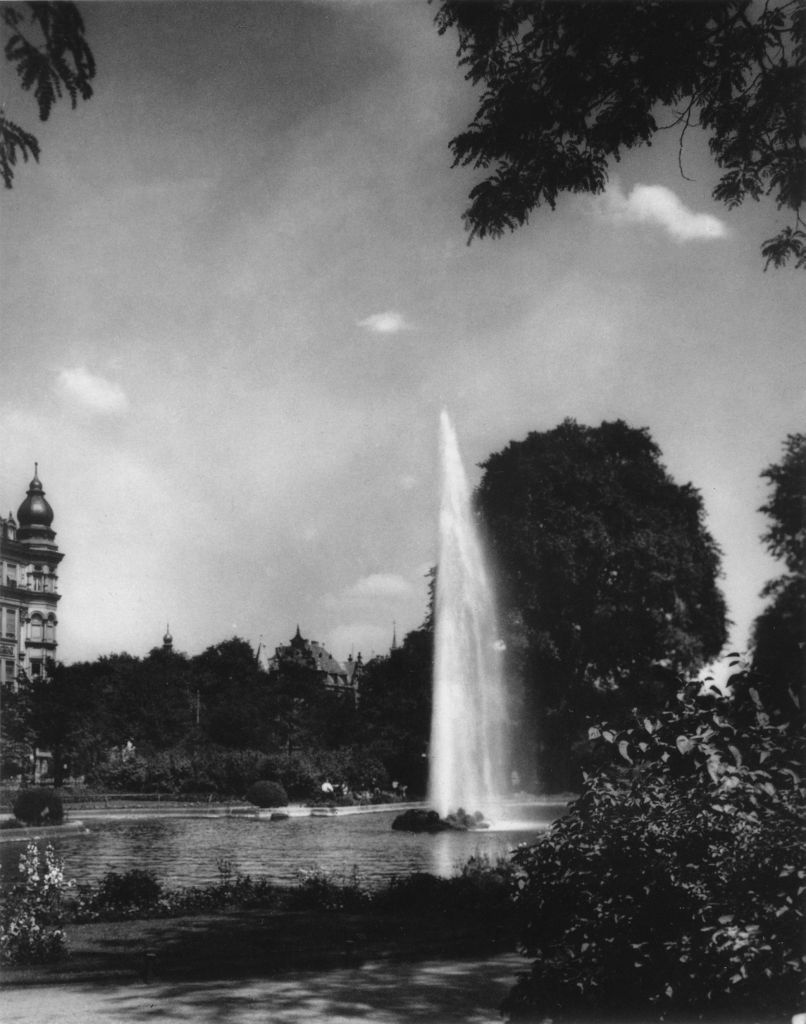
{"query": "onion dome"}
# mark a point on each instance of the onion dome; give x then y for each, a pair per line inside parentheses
(35, 515)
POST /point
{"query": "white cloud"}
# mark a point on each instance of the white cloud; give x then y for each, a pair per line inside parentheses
(382, 585)
(656, 204)
(385, 323)
(91, 392)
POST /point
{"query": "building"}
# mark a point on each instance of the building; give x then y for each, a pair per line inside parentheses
(308, 654)
(29, 592)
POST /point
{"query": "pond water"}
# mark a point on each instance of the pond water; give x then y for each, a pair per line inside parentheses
(185, 851)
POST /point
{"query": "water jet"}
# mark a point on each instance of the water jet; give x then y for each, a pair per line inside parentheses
(469, 750)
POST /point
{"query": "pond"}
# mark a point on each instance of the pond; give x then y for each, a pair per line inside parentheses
(185, 851)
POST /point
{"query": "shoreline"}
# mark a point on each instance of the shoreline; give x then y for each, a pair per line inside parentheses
(177, 809)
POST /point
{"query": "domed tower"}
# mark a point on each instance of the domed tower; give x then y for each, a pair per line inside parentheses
(29, 587)
(35, 516)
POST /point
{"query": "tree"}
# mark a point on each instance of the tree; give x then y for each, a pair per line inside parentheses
(567, 87)
(52, 712)
(608, 578)
(235, 705)
(45, 43)
(779, 632)
(394, 712)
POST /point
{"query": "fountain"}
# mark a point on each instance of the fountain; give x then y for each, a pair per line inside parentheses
(469, 750)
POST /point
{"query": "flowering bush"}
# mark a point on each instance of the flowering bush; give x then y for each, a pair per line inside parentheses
(677, 878)
(33, 910)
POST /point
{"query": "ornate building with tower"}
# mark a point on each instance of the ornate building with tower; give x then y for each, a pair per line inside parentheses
(29, 592)
(308, 654)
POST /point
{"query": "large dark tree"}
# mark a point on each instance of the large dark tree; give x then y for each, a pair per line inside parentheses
(779, 633)
(608, 578)
(566, 87)
(45, 43)
(54, 712)
(394, 711)
(233, 696)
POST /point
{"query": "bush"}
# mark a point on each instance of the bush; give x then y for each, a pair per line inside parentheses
(266, 793)
(676, 880)
(329, 891)
(39, 807)
(32, 915)
(131, 893)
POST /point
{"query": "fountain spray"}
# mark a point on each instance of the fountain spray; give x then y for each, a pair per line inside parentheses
(469, 750)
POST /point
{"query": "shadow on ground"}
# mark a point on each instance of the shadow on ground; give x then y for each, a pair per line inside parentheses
(467, 990)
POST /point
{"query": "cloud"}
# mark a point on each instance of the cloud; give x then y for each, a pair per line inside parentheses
(379, 585)
(385, 323)
(656, 204)
(91, 392)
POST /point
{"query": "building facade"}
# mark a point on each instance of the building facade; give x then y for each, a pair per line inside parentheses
(29, 588)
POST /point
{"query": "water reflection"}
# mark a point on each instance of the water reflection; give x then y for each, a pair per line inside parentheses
(187, 851)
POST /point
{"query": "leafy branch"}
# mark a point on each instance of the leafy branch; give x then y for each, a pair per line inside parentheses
(45, 43)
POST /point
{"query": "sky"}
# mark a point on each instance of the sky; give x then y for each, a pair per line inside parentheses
(237, 292)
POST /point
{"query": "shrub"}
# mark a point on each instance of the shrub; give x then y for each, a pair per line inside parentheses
(330, 891)
(33, 909)
(676, 880)
(296, 773)
(131, 893)
(481, 891)
(39, 807)
(266, 793)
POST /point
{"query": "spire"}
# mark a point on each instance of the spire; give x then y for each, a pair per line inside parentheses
(394, 635)
(167, 640)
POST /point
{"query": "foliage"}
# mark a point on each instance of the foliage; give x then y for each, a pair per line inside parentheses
(132, 892)
(139, 894)
(677, 878)
(216, 722)
(329, 891)
(568, 87)
(778, 633)
(265, 793)
(786, 507)
(208, 770)
(33, 909)
(481, 889)
(607, 578)
(39, 807)
(45, 43)
(394, 714)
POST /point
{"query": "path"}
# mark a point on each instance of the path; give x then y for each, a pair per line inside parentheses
(429, 992)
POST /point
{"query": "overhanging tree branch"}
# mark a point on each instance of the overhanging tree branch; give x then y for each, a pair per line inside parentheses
(60, 62)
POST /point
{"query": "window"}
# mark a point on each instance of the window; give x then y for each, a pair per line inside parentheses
(11, 622)
(50, 631)
(11, 672)
(36, 630)
(36, 667)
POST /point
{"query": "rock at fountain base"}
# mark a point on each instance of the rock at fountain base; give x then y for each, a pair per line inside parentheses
(462, 821)
(416, 820)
